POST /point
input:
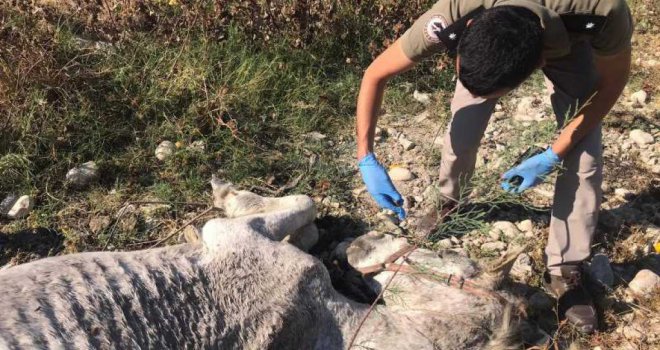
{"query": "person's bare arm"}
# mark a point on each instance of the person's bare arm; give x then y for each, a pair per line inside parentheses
(388, 64)
(613, 71)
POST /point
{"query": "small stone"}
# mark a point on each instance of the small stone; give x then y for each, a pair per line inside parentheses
(522, 268)
(400, 174)
(499, 115)
(422, 117)
(526, 226)
(98, 224)
(445, 243)
(164, 150)
(639, 98)
(528, 110)
(83, 175)
(314, 135)
(624, 193)
(407, 144)
(498, 107)
(179, 144)
(652, 232)
(199, 146)
(605, 187)
(455, 240)
(358, 191)
(378, 131)
(493, 246)
(506, 228)
(632, 333)
(601, 271)
(644, 283)
(650, 63)
(439, 141)
(21, 208)
(421, 97)
(391, 132)
(641, 137)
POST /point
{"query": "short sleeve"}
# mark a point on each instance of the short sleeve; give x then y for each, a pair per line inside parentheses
(422, 39)
(616, 35)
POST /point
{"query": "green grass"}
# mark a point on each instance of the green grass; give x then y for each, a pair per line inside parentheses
(252, 106)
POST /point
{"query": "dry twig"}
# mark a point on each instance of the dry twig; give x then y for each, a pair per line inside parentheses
(182, 227)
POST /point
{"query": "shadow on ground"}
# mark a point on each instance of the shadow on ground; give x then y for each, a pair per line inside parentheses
(30, 244)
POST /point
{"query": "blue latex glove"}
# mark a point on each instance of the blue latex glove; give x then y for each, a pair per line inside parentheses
(532, 171)
(380, 185)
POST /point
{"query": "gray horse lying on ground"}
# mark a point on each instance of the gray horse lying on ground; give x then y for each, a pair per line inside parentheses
(240, 287)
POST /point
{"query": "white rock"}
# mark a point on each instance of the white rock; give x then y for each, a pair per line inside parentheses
(445, 243)
(378, 131)
(644, 283)
(439, 141)
(314, 135)
(623, 193)
(407, 144)
(632, 333)
(21, 208)
(422, 117)
(526, 226)
(600, 270)
(605, 186)
(652, 232)
(650, 63)
(493, 246)
(358, 191)
(641, 137)
(421, 97)
(522, 267)
(638, 98)
(506, 228)
(164, 150)
(499, 115)
(83, 175)
(529, 109)
(391, 132)
(400, 174)
(199, 145)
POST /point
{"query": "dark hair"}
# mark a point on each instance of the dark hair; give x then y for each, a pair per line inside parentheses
(500, 49)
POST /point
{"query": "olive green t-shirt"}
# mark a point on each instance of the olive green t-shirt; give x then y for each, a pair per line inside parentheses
(607, 24)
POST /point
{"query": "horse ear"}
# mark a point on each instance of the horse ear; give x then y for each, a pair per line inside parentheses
(220, 191)
(500, 268)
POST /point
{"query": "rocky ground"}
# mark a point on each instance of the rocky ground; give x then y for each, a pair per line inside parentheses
(623, 272)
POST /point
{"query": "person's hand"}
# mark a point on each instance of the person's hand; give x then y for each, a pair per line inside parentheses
(380, 185)
(530, 172)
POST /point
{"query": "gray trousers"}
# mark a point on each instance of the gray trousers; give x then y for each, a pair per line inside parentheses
(571, 80)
